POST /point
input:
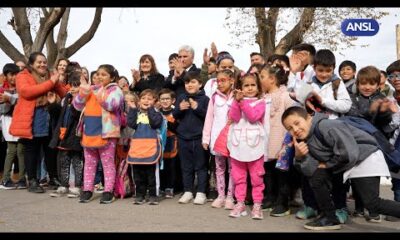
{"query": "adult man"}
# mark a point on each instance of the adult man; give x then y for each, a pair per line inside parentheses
(183, 65)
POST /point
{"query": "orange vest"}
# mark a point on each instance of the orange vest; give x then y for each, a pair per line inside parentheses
(92, 124)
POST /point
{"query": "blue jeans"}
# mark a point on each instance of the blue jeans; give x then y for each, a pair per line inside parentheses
(396, 189)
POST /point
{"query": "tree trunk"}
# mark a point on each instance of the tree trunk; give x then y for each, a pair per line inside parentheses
(398, 40)
(266, 29)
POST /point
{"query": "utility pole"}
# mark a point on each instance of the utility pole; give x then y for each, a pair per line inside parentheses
(398, 40)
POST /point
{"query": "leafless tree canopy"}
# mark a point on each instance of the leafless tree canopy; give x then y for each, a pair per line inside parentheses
(40, 23)
(276, 30)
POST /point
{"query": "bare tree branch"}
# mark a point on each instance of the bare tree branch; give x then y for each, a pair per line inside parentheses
(9, 49)
(49, 23)
(62, 33)
(22, 28)
(295, 36)
(87, 36)
(45, 12)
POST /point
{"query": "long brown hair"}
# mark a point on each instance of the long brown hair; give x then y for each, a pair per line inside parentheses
(153, 70)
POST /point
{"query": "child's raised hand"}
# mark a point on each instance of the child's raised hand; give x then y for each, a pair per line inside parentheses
(214, 50)
(193, 103)
(300, 148)
(238, 94)
(206, 57)
(184, 105)
(295, 63)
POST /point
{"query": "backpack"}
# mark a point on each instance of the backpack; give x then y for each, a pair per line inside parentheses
(392, 155)
(123, 186)
(171, 142)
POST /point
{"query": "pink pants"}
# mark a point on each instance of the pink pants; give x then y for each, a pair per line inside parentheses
(92, 156)
(220, 167)
(239, 175)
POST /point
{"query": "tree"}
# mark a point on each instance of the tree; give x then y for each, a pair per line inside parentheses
(25, 20)
(320, 26)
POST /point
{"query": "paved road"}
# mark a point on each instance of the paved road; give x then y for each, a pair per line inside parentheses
(21, 211)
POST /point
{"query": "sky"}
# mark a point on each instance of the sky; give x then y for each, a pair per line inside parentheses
(125, 34)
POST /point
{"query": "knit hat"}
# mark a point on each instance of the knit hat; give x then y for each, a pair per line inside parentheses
(224, 55)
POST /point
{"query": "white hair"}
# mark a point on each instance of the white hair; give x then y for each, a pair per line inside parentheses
(187, 48)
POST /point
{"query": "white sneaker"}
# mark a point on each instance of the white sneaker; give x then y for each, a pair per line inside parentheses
(186, 197)
(59, 192)
(200, 199)
(74, 192)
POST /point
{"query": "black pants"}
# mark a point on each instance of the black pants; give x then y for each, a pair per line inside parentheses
(145, 178)
(65, 159)
(270, 181)
(283, 178)
(368, 190)
(32, 155)
(193, 161)
(167, 175)
(308, 194)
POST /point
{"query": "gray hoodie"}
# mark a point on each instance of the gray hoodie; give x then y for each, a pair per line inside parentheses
(344, 146)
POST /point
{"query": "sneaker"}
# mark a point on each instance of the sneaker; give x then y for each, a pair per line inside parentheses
(43, 182)
(35, 187)
(229, 203)
(8, 185)
(99, 188)
(280, 211)
(54, 184)
(238, 210)
(186, 197)
(374, 218)
(153, 201)
(358, 213)
(212, 195)
(323, 223)
(342, 215)
(200, 199)
(218, 202)
(392, 219)
(86, 197)
(107, 197)
(169, 193)
(256, 212)
(21, 184)
(139, 200)
(267, 205)
(59, 192)
(74, 192)
(306, 213)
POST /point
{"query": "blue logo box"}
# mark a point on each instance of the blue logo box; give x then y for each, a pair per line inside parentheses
(360, 27)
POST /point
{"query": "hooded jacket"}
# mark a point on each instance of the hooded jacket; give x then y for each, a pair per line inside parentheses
(344, 146)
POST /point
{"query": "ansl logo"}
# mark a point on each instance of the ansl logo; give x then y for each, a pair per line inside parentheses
(360, 27)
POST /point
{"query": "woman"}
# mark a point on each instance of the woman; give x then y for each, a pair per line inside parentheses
(147, 77)
(61, 69)
(31, 120)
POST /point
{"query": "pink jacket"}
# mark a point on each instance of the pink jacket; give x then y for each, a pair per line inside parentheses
(252, 112)
(280, 101)
(216, 118)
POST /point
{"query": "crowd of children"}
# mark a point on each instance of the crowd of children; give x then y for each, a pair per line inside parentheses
(288, 124)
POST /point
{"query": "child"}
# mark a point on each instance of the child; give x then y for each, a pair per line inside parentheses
(329, 96)
(246, 143)
(272, 80)
(345, 149)
(347, 71)
(190, 110)
(101, 129)
(301, 69)
(8, 99)
(167, 99)
(216, 119)
(369, 103)
(144, 173)
(65, 140)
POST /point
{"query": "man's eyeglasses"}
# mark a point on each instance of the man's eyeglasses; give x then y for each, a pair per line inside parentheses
(392, 77)
(165, 99)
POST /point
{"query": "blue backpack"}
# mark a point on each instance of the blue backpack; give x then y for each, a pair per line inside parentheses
(391, 153)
